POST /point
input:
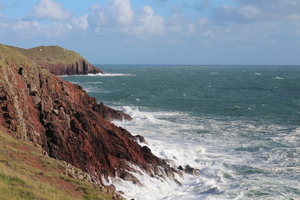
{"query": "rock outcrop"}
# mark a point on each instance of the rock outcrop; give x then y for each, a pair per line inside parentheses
(59, 61)
(68, 124)
(190, 170)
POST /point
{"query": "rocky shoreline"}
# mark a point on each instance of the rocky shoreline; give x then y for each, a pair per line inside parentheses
(70, 125)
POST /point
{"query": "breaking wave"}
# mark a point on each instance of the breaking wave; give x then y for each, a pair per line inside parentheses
(110, 74)
(237, 158)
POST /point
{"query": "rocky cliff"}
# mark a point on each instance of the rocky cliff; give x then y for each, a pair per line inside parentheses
(59, 61)
(68, 124)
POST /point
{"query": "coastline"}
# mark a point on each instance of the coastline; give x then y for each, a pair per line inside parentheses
(69, 125)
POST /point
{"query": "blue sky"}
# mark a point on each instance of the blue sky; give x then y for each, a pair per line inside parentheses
(206, 32)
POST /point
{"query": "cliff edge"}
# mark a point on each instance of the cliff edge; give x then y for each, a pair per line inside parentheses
(68, 124)
(59, 61)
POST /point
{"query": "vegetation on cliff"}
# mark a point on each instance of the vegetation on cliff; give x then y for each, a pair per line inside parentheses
(25, 173)
(26, 170)
(58, 60)
(67, 124)
(50, 54)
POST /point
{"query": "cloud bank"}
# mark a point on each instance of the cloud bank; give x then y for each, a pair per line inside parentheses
(51, 10)
(201, 26)
(119, 15)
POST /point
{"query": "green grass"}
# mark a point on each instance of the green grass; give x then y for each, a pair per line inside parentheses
(9, 54)
(13, 59)
(26, 174)
(50, 54)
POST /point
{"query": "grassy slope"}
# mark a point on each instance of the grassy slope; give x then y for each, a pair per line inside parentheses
(50, 54)
(8, 53)
(27, 174)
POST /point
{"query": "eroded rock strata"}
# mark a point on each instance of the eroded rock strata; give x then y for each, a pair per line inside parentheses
(68, 124)
(59, 61)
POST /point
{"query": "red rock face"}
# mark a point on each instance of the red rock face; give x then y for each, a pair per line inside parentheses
(80, 67)
(70, 125)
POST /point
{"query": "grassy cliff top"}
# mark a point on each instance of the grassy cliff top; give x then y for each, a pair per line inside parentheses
(10, 57)
(50, 54)
(7, 54)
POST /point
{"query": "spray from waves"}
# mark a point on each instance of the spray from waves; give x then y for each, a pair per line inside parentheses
(110, 74)
(101, 74)
(239, 159)
(161, 132)
(151, 188)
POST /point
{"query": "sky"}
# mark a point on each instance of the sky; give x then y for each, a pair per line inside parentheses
(183, 32)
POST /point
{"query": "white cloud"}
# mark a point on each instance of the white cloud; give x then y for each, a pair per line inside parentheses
(35, 24)
(179, 23)
(59, 30)
(293, 17)
(119, 16)
(22, 25)
(249, 11)
(98, 15)
(253, 11)
(121, 11)
(21, 29)
(148, 10)
(243, 26)
(290, 2)
(208, 34)
(228, 8)
(81, 22)
(117, 13)
(51, 10)
(150, 24)
(190, 29)
(203, 20)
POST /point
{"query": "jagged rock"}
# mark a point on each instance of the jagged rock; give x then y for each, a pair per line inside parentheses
(76, 173)
(69, 124)
(140, 139)
(111, 114)
(191, 170)
(79, 67)
(129, 177)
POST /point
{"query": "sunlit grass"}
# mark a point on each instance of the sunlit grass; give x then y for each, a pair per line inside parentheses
(21, 179)
(51, 55)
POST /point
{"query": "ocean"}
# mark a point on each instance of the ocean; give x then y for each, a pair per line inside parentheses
(240, 125)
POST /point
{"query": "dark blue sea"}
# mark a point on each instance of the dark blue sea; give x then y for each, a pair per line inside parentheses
(239, 124)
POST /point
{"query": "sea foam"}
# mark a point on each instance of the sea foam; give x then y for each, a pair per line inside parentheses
(110, 74)
(163, 138)
(242, 154)
(225, 150)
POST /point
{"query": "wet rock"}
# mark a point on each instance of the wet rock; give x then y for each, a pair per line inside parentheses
(69, 124)
(190, 170)
(139, 138)
(129, 177)
(111, 114)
